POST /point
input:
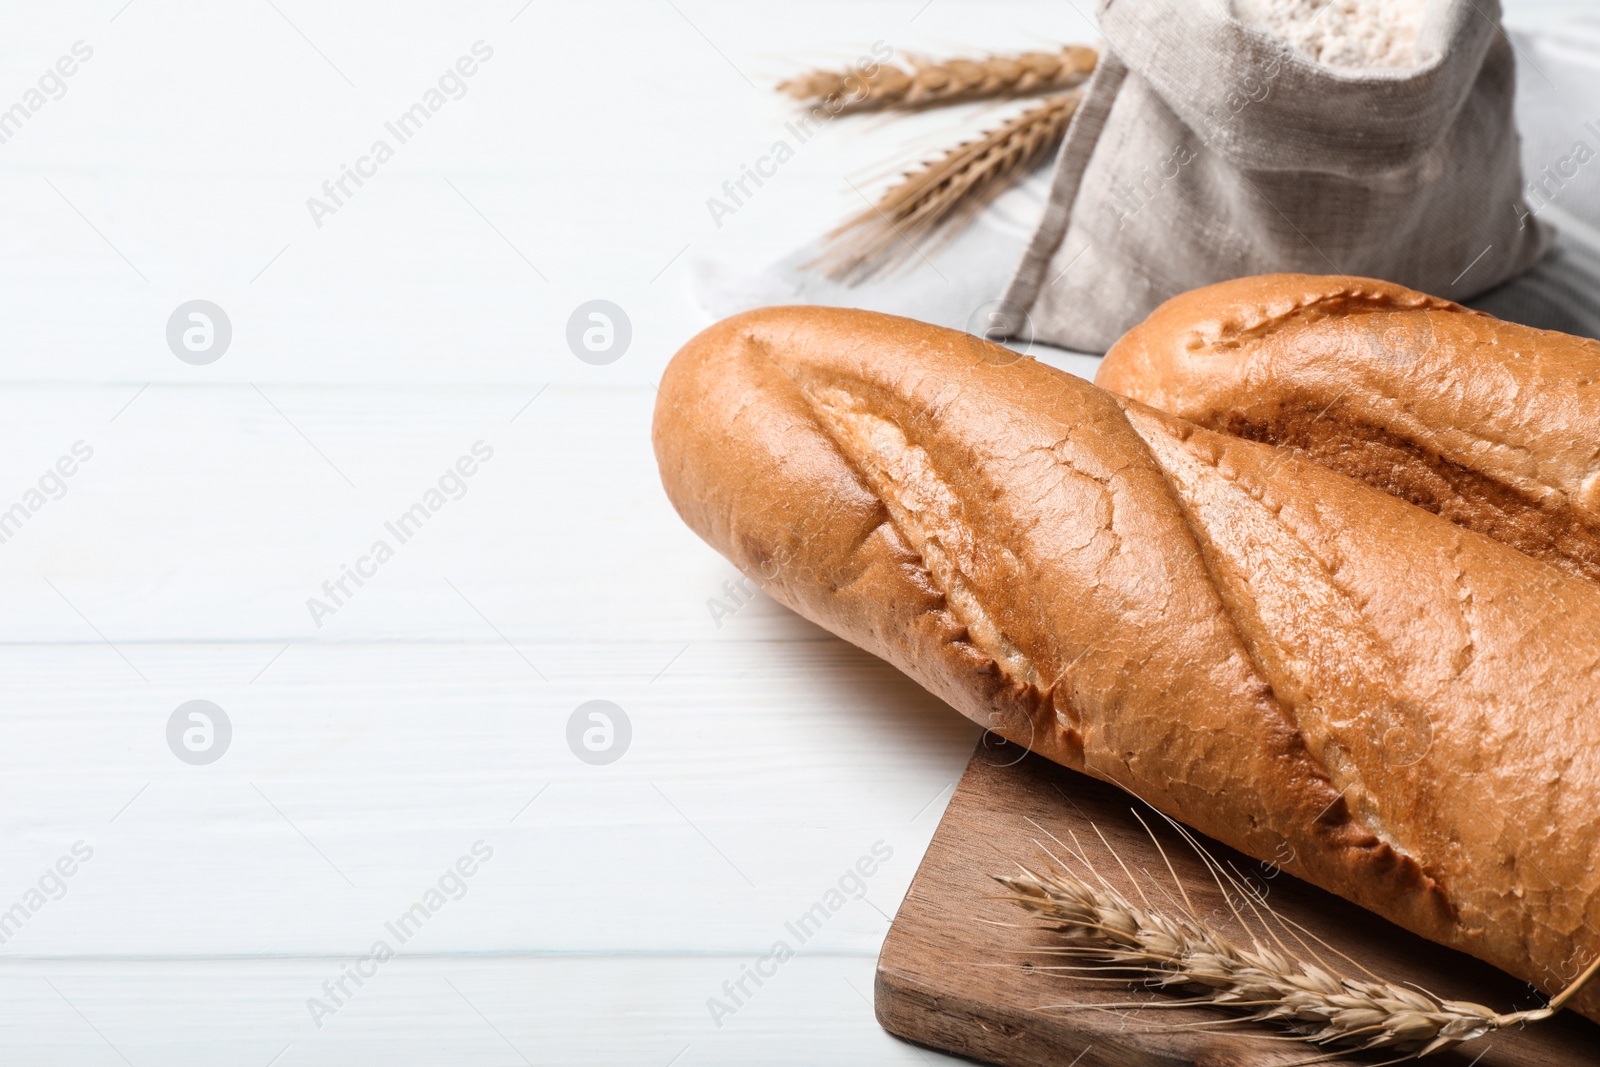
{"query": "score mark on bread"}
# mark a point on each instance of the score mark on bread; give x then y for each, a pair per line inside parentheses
(1492, 425)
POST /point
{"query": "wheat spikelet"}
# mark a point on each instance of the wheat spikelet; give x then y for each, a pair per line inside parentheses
(931, 83)
(1137, 942)
(945, 191)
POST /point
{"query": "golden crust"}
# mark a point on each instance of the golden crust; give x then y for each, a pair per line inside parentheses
(1400, 710)
(1495, 426)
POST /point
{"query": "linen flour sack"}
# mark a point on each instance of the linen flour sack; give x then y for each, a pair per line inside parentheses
(1207, 148)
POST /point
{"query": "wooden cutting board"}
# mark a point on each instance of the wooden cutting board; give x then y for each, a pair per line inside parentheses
(933, 989)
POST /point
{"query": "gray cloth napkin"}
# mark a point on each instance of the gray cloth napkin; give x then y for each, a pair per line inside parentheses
(962, 283)
(1558, 111)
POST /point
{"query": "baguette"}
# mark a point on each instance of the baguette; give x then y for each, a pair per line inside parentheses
(1493, 425)
(1323, 676)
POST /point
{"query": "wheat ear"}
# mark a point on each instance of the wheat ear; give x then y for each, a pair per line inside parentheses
(944, 191)
(931, 83)
(1139, 943)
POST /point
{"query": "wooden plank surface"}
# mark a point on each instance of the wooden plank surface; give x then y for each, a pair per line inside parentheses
(625, 1009)
(935, 985)
(357, 773)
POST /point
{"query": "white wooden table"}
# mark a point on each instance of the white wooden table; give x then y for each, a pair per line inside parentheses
(424, 713)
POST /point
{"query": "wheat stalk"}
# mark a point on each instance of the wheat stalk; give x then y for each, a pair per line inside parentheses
(931, 83)
(944, 191)
(1269, 983)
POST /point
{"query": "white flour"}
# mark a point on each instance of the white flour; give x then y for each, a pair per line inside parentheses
(1341, 33)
